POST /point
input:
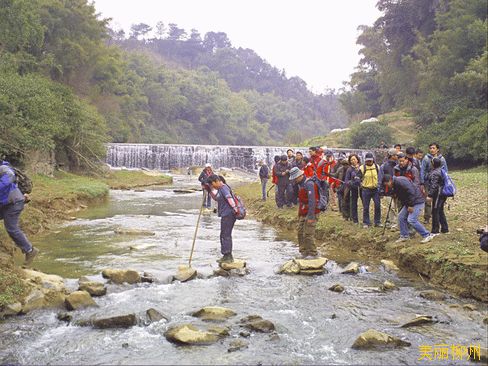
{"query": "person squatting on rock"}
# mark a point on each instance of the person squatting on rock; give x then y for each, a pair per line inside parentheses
(435, 182)
(206, 172)
(226, 210)
(412, 202)
(425, 168)
(11, 205)
(308, 197)
(263, 176)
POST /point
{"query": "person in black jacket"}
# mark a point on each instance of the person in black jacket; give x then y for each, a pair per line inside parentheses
(435, 184)
(412, 202)
(263, 176)
(206, 172)
(282, 170)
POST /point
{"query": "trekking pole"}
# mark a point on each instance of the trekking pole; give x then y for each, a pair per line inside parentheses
(387, 214)
(270, 188)
(196, 229)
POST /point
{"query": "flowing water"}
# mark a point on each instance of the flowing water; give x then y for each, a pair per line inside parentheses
(314, 325)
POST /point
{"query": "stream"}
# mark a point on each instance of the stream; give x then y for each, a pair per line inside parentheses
(314, 325)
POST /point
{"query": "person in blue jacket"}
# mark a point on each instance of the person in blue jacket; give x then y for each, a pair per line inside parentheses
(12, 202)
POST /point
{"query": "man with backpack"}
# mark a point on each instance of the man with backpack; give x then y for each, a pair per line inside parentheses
(412, 202)
(227, 211)
(435, 181)
(368, 173)
(12, 202)
(405, 168)
(425, 169)
(263, 176)
(206, 172)
(308, 210)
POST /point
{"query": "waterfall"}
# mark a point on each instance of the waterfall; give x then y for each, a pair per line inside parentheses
(166, 157)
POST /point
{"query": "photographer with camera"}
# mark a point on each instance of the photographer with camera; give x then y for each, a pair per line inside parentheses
(483, 238)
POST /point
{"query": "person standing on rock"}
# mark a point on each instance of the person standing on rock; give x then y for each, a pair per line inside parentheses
(227, 210)
(12, 202)
(206, 172)
(412, 202)
(263, 176)
(308, 198)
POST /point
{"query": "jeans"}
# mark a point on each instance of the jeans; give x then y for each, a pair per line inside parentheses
(438, 215)
(354, 194)
(264, 181)
(226, 226)
(405, 218)
(10, 215)
(369, 194)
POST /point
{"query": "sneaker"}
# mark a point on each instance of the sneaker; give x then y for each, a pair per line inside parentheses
(365, 226)
(377, 225)
(402, 239)
(427, 238)
(29, 257)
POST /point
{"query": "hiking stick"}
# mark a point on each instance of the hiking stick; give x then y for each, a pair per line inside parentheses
(267, 193)
(387, 214)
(196, 230)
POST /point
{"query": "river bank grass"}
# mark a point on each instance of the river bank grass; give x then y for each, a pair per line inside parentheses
(453, 261)
(55, 199)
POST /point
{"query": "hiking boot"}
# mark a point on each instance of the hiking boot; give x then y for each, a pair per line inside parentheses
(227, 258)
(29, 257)
(427, 238)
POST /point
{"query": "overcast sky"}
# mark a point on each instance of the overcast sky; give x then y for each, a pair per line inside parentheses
(312, 39)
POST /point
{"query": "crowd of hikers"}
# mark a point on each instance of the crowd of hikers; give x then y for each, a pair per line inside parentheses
(413, 183)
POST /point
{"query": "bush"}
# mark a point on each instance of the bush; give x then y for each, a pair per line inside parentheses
(370, 135)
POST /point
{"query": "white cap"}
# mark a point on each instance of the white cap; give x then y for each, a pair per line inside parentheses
(208, 165)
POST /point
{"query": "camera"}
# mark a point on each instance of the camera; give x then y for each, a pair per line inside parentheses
(480, 231)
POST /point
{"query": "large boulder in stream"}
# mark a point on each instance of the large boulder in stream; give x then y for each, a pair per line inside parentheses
(188, 334)
(78, 300)
(93, 288)
(214, 313)
(46, 291)
(120, 276)
(351, 268)
(373, 339)
(304, 266)
(119, 321)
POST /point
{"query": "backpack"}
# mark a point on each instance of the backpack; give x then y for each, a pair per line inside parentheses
(362, 169)
(449, 188)
(323, 188)
(24, 183)
(241, 209)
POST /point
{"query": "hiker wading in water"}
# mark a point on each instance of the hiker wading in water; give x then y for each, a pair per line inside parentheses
(308, 197)
(227, 211)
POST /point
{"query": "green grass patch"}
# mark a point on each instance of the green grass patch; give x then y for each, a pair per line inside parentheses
(12, 288)
(123, 179)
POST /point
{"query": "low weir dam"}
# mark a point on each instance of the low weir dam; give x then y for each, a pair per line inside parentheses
(166, 157)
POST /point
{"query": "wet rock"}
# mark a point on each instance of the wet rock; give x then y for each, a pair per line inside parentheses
(147, 279)
(214, 313)
(185, 273)
(220, 331)
(274, 337)
(470, 307)
(188, 334)
(163, 277)
(11, 309)
(433, 295)
(125, 345)
(290, 267)
(333, 316)
(120, 276)
(308, 264)
(454, 306)
(154, 316)
(46, 281)
(244, 333)
(485, 320)
(122, 231)
(64, 317)
(139, 190)
(93, 288)
(420, 320)
(237, 344)
(256, 323)
(79, 299)
(373, 339)
(387, 286)
(120, 321)
(337, 288)
(389, 265)
(236, 264)
(351, 268)
(33, 301)
(312, 272)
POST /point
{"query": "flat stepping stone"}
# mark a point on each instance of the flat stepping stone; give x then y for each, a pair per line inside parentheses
(420, 320)
(373, 339)
(188, 334)
(214, 313)
(185, 273)
(304, 266)
(236, 264)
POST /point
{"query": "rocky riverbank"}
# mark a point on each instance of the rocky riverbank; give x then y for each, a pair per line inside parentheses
(55, 199)
(453, 261)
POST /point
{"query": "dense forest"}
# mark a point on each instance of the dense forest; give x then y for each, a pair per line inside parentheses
(69, 83)
(428, 57)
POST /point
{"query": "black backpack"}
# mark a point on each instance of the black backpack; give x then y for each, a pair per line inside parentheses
(24, 183)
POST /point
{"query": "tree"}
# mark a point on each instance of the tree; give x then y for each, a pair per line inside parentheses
(139, 30)
(370, 135)
(160, 30)
(216, 40)
(175, 33)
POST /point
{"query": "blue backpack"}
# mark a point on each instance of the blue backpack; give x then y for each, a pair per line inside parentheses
(449, 188)
(323, 188)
